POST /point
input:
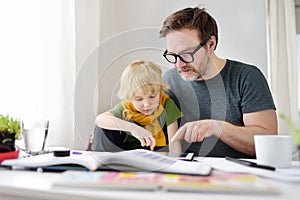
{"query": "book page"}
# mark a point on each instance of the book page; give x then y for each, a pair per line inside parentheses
(154, 161)
(139, 159)
(82, 158)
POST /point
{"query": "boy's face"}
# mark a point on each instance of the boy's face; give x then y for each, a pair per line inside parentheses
(145, 101)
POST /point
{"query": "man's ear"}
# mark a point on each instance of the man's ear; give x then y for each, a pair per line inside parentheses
(211, 44)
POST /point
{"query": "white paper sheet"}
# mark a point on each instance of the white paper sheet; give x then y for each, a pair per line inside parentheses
(291, 174)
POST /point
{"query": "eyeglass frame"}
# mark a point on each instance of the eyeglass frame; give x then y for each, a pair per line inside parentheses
(179, 55)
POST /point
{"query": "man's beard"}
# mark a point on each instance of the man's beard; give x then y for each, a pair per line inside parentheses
(196, 75)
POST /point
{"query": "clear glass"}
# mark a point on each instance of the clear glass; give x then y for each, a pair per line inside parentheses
(35, 134)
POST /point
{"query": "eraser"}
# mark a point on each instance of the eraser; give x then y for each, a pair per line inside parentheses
(61, 153)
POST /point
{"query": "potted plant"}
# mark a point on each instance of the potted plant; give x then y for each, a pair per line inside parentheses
(10, 130)
(294, 129)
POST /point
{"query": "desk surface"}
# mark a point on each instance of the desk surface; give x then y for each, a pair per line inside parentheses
(19, 184)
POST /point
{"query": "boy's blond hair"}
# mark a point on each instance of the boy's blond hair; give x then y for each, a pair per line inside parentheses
(141, 74)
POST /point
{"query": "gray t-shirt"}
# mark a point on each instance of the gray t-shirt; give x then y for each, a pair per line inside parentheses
(239, 88)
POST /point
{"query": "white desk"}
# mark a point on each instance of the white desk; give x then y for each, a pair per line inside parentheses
(19, 184)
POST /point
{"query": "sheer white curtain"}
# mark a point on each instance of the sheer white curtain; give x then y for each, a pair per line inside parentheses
(283, 58)
(37, 64)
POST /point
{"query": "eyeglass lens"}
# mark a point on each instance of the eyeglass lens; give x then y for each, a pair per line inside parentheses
(184, 57)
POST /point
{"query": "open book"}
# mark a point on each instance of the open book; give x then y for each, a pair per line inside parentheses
(217, 182)
(137, 160)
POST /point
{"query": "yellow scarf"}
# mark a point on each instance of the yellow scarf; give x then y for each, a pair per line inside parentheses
(150, 122)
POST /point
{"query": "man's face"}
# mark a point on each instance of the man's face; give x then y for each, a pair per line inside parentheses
(185, 41)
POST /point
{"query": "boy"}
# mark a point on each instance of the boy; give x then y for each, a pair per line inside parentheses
(145, 117)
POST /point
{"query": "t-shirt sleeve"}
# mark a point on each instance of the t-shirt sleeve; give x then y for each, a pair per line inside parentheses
(256, 93)
(172, 111)
(117, 110)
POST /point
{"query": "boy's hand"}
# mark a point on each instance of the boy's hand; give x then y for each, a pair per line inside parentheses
(144, 136)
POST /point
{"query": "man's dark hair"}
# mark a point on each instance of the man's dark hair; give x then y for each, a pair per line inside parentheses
(191, 18)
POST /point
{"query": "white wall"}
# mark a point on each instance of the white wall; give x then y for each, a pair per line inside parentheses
(110, 34)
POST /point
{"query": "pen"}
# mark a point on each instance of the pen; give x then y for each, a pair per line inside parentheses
(250, 164)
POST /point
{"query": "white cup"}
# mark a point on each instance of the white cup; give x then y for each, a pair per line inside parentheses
(35, 134)
(274, 150)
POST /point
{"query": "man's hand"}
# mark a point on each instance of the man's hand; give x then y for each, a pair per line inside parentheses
(198, 130)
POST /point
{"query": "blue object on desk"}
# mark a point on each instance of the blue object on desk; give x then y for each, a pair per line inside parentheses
(250, 164)
(76, 152)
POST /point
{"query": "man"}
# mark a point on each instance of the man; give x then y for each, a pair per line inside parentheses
(224, 102)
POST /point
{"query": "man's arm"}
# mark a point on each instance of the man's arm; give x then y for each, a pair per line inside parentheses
(240, 138)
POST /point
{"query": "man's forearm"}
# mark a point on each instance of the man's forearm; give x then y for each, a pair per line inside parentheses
(241, 138)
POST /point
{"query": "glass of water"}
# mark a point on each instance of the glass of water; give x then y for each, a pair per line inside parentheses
(35, 134)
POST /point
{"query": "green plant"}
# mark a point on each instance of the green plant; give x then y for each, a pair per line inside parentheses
(10, 125)
(294, 129)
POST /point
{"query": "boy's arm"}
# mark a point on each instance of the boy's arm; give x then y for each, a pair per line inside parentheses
(175, 146)
(107, 120)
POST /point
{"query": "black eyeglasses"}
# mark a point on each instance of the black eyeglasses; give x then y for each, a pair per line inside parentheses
(186, 57)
